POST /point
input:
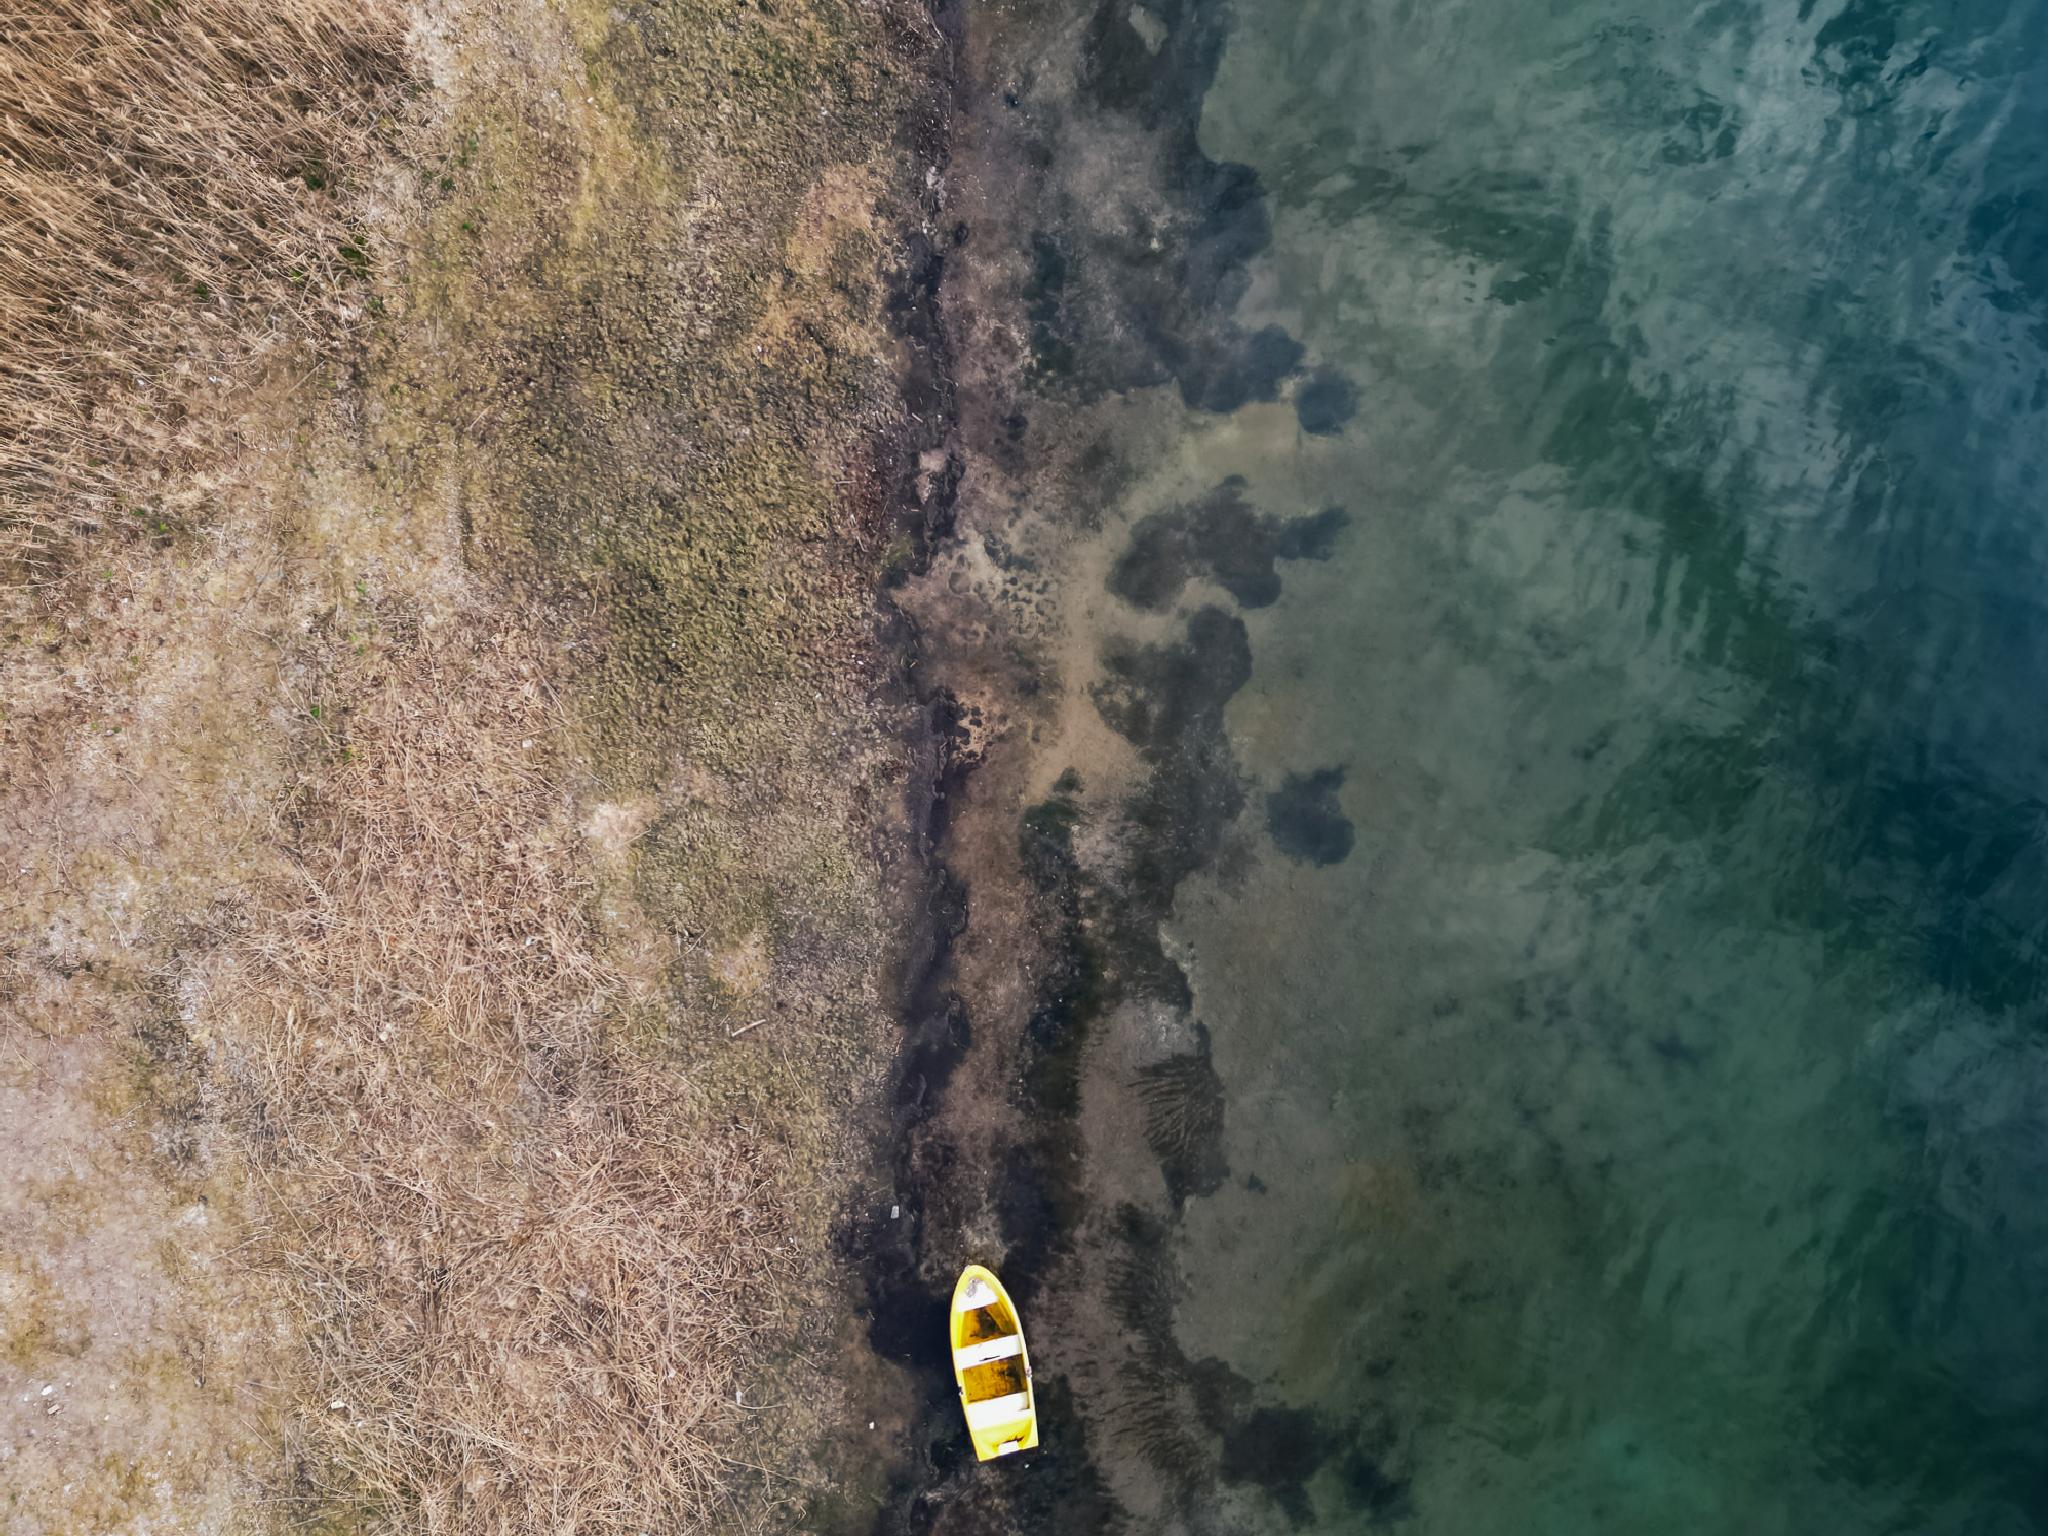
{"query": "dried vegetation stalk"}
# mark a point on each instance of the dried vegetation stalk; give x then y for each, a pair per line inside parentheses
(531, 1271)
(178, 186)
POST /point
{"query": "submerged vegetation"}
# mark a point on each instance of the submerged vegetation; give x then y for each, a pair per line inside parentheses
(446, 783)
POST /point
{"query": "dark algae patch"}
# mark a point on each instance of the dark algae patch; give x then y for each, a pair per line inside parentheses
(1133, 292)
(1324, 402)
(1219, 537)
(1027, 1189)
(1205, 1424)
(1173, 287)
(1184, 1108)
(1052, 881)
(1305, 820)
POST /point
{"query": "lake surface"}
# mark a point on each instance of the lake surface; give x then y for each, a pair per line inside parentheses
(1613, 962)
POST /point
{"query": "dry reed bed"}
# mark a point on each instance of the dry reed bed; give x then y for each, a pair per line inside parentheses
(177, 183)
(529, 1270)
(534, 1270)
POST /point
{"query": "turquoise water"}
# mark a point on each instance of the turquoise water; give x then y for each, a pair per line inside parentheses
(1637, 1120)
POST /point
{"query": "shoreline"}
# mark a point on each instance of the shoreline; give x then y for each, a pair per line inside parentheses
(1058, 1103)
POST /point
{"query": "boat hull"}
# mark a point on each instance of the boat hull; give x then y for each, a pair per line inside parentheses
(991, 1366)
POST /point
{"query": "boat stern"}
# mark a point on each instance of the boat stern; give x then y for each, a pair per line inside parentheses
(1002, 1427)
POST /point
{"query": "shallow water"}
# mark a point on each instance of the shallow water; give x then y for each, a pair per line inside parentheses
(1621, 958)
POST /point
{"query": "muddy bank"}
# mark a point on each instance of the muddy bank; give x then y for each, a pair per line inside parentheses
(1084, 630)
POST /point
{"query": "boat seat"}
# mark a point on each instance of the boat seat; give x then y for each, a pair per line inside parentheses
(998, 1410)
(989, 1349)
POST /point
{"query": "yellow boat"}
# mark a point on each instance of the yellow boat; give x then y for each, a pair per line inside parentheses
(992, 1366)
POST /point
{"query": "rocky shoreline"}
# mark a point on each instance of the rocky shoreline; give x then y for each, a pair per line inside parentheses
(1056, 1107)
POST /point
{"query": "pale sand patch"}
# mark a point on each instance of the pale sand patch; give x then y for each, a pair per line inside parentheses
(141, 762)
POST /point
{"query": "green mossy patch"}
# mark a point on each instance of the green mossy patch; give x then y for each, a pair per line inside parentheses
(652, 347)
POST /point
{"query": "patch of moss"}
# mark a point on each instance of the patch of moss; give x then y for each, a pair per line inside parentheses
(34, 1323)
(668, 350)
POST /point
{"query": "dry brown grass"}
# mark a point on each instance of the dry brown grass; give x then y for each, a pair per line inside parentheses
(532, 1273)
(529, 1260)
(179, 196)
